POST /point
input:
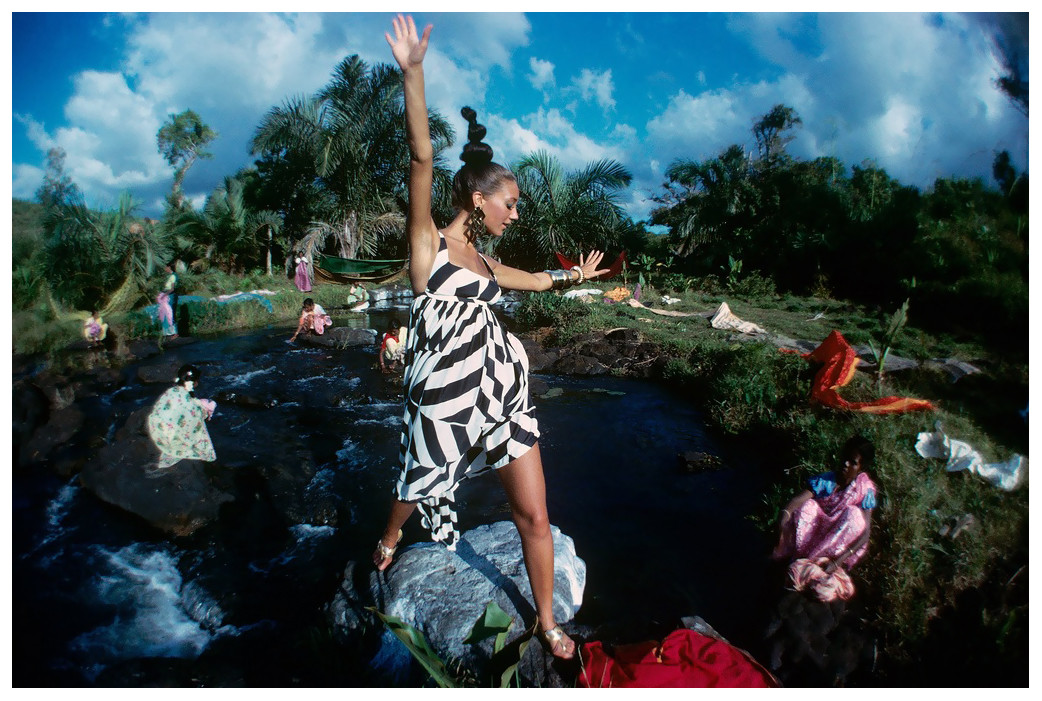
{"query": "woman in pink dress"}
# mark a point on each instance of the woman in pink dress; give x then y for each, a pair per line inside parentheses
(824, 530)
(302, 279)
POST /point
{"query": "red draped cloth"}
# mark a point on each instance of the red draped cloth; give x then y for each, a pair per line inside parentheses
(684, 659)
(839, 362)
(614, 270)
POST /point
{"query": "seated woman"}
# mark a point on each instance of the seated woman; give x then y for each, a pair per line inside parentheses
(313, 318)
(824, 530)
(177, 423)
(392, 347)
(94, 329)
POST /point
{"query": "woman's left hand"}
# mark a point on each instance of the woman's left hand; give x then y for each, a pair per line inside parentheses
(589, 265)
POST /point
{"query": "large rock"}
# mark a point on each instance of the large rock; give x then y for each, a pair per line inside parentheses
(619, 351)
(340, 337)
(178, 500)
(443, 593)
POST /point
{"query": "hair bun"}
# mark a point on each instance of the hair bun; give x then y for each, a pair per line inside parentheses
(475, 152)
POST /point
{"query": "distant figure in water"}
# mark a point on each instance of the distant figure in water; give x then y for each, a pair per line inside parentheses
(824, 530)
(392, 347)
(177, 422)
(313, 318)
(95, 329)
(302, 279)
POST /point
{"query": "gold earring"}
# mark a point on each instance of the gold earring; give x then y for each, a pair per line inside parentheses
(476, 224)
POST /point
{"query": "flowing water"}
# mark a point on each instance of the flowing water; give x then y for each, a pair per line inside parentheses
(101, 598)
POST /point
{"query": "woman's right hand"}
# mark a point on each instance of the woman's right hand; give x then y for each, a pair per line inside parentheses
(407, 46)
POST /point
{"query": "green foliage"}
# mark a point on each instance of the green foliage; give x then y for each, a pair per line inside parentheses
(569, 213)
(887, 338)
(417, 645)
(340, 158)
(89, 255)
(181, 140)
(568, 317)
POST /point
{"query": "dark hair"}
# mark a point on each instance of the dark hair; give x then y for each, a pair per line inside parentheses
(859, 445)
(394, 323)
(307, 301)
(187, 373)
(479, 173)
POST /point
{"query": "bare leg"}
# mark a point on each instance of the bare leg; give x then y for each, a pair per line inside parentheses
(526, 490)
(400, 513)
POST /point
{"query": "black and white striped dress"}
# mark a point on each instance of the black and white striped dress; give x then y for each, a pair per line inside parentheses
(467, 408)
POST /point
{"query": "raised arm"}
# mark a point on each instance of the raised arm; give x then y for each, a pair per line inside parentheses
(514, 279)
(408, 49)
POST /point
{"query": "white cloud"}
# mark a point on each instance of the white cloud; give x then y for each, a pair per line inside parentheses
(596, 86)
(542, 74)
(26, 180)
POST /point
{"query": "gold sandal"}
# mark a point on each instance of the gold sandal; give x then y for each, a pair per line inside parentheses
(386, 553)
(554, 639)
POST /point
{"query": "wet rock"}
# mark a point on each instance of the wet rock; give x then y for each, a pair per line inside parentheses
(443, 594)
(245, 401)
(695, 461)
(619, 351)
(539, 358)
(30, 410)
(340, 337)
(178, 500)
(159, 373)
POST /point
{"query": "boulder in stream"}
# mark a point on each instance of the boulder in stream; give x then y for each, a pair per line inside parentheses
(443, 593)
(340, 337)
(178, 500)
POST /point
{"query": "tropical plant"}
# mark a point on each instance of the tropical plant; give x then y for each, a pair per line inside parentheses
(887, 337)
(567, 213)
(226, 232)
(182, 139)
(493, 621)
(339, 159)
(101, 259)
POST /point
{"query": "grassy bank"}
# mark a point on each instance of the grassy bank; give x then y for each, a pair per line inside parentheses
(47, 328)
(915, 584)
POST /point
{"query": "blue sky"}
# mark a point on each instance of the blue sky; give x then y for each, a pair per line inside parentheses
(913, 92)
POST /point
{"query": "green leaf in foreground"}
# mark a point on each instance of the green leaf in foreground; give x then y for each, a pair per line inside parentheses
(417, 645)
(493, 621)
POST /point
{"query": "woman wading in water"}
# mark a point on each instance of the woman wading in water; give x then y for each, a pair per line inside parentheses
(467, 408)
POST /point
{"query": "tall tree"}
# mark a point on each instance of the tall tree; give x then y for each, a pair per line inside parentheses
(57, 187)
(563, 212)
(773, 132)
(182, 140)
(339, 159)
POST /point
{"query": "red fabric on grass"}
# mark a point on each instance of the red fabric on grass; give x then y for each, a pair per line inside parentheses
(839, 362)
(685, 659)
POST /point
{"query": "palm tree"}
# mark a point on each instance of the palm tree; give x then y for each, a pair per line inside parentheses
(102, 259)
(226, 231)
(339, 159)
(710, 201)
(567, 213)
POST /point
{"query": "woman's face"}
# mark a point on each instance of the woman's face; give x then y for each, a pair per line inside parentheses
(849, 466)
(500, 208)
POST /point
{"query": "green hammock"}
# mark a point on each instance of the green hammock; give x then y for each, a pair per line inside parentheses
(356, 270)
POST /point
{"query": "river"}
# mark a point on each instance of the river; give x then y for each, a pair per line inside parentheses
(100, 598)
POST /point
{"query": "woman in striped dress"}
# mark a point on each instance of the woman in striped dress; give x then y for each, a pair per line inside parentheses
(467, 408)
